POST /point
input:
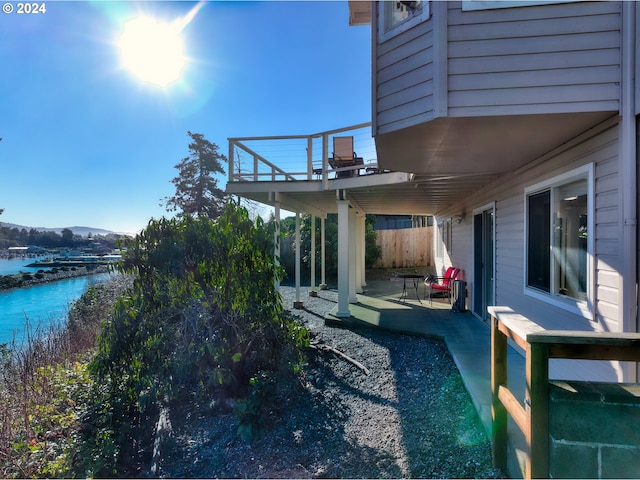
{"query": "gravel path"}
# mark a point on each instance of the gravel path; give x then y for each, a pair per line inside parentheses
(410, 417)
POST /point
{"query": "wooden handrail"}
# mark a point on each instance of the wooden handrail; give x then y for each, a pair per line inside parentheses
(540, 345)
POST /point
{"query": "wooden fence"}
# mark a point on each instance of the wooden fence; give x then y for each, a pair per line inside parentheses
(405, 247)
(401, 248)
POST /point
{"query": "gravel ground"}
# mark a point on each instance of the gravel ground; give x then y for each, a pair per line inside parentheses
(409, 417)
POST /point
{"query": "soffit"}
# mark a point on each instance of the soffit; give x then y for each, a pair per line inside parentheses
(473, 145)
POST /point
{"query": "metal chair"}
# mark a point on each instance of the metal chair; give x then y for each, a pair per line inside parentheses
(441, 284)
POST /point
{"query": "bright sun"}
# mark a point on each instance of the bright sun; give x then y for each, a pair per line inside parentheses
(152, 50)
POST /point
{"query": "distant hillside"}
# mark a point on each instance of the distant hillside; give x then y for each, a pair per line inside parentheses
(83, 231)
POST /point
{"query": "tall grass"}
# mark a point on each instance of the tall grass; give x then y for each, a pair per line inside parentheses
(44, 385)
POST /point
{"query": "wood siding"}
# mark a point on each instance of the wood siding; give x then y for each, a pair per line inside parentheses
(557, 58)
(508, 194)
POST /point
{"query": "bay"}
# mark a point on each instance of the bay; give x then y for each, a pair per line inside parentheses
(41, 304)
(17, 265)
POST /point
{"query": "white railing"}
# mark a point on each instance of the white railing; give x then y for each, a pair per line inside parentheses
(296, 157)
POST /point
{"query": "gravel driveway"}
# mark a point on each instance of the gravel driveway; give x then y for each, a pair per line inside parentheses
(407, 416)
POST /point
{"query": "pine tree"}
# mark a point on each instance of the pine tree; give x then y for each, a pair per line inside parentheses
(197, 191)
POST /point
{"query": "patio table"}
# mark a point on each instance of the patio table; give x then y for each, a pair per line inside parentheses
(409, 276)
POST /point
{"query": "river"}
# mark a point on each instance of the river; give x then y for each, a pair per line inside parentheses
(40, 304)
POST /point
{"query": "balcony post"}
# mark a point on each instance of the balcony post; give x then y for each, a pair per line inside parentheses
(230, 160)
(309, 158)
(255, 168)
(325, 161)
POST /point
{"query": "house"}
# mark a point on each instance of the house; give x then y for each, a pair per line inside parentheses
(514, 125)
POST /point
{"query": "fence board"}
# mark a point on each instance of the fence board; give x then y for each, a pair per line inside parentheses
(405, 247)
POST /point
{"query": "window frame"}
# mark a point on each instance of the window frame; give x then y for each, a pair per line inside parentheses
(472, 5)
(387, 31)
(584, 308)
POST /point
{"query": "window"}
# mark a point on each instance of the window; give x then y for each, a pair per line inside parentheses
(559, 239)
(398, 16)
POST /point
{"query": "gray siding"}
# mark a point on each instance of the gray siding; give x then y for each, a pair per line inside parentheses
(508, 194)
(528, 60)
(404, 79)
(547, 59)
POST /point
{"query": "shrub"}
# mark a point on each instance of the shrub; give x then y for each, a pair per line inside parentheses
(203, 314)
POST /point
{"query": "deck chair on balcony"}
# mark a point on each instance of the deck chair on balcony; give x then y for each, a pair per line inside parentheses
(344, 156)
(441, 285)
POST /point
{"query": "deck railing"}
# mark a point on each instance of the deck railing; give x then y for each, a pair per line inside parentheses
(540, 345)
(295, 157)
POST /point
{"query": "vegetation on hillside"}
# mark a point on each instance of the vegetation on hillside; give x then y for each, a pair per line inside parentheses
(45, 389)
(202, 319)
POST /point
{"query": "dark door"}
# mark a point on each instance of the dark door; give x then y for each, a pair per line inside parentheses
(483, 263)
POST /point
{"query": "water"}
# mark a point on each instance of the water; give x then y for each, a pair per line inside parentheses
(17, 265)
(40, 304)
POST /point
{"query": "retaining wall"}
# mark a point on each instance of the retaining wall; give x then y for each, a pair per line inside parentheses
(594, 430)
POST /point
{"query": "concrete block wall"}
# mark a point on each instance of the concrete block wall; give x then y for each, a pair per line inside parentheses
(594, 430)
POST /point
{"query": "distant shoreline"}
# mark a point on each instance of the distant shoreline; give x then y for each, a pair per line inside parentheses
(24, 280)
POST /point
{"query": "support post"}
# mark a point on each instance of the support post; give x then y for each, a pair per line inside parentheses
(276, 243)
(343, 259)
(298, 303)
(353, 297)
(323, 265)
(362, 241)
(312, 290)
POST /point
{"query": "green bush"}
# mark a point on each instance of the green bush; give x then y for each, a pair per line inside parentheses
(203, 315)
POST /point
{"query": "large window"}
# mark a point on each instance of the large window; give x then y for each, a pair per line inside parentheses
(398, 16)
(559, 239)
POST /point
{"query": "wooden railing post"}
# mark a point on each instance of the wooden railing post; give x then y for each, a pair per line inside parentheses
(230, 160)
(309, 158)
(537, 406)
(255, 168)
(325, 161)
(498, 411)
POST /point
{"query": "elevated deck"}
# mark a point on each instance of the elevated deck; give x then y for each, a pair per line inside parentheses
(298, 172)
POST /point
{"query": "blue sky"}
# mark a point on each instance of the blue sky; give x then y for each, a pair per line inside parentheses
(85, 142)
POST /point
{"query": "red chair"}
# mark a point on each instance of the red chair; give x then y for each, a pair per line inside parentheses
(434, 285)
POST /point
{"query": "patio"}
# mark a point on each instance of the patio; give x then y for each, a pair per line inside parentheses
(467, 338)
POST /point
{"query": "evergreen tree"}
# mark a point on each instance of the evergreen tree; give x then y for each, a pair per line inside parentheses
(197, 191)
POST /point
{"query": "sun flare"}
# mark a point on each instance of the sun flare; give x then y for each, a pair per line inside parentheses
(152, 50)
